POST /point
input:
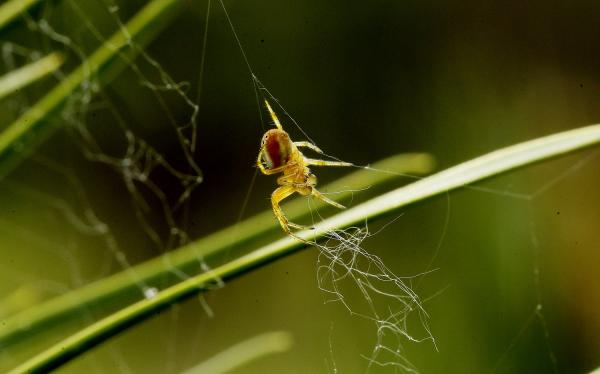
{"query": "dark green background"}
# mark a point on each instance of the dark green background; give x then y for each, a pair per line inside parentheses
(365, 80)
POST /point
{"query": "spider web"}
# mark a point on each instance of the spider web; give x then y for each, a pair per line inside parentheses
(117, 191)
(158, 182)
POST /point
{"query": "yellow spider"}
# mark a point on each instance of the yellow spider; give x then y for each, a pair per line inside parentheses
(278, 154)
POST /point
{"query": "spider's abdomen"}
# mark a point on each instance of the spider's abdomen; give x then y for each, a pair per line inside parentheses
(278, 148)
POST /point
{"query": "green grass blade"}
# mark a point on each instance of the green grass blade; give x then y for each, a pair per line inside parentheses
(12, 9)
(21, 77)
(480, 168)
(477, 169)
(124, 286)
(244, 352)
(20, 138)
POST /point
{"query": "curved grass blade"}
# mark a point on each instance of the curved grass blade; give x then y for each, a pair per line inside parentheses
(125, 289)
(20, 138)
(21, 77)
(10, 10)
(244, 352)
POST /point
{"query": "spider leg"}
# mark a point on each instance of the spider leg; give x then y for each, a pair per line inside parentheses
(285, 180)
(271, 171)
(273, 115)
(308, 145)
(259, 161)
(294, 181)
(311, 161)
(264, 170)
(278, 195)
(322, 197)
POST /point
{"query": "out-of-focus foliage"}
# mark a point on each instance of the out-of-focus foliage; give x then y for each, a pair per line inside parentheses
(516, 286)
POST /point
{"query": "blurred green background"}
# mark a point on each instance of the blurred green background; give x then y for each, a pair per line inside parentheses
(365, 80)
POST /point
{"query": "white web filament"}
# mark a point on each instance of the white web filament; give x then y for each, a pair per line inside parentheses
(387, 299)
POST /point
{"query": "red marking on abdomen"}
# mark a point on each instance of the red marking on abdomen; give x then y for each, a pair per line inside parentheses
(274, 150)
(274, 147)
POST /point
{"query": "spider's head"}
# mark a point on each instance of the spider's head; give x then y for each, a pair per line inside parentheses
(278, 148)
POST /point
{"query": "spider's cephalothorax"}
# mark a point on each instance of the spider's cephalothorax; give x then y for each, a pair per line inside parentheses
(278, 154)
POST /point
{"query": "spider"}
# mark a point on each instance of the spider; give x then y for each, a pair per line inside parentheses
(278, 154)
